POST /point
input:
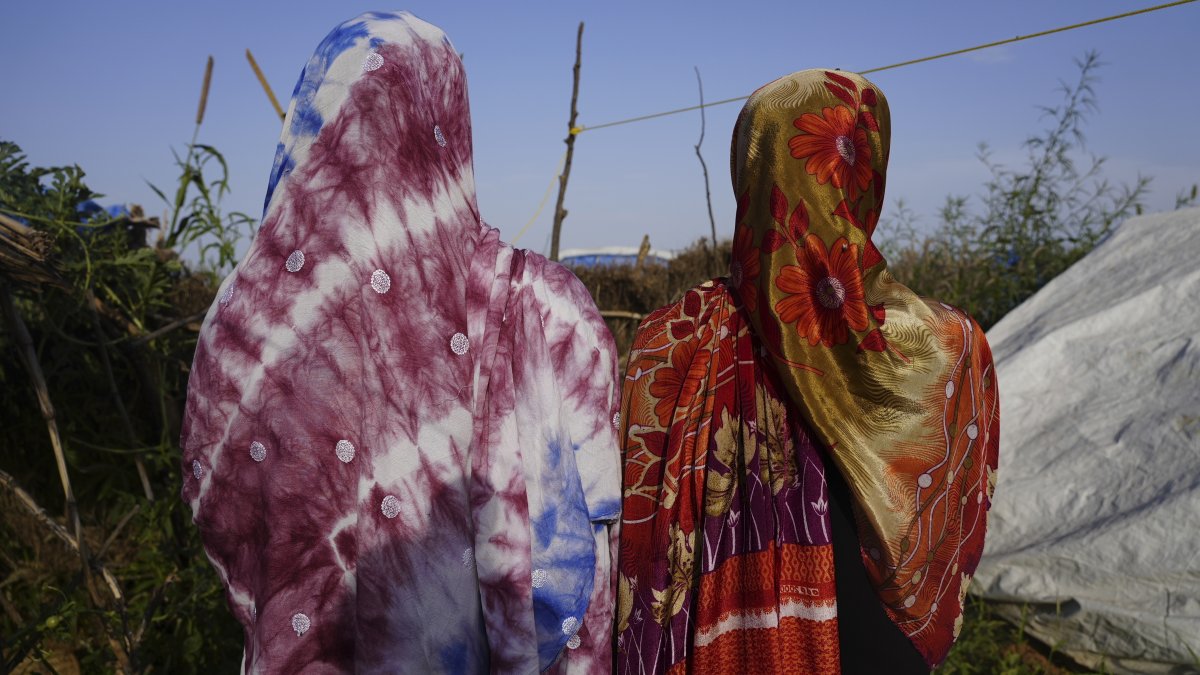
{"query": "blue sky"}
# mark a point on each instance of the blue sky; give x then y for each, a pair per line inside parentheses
(113, 87)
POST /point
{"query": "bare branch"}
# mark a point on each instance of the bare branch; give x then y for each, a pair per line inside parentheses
(703, 165)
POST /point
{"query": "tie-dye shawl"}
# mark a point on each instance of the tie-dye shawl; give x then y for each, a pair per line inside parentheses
(399, 441)
(808, 351)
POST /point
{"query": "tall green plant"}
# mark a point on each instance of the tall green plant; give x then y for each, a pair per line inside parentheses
(196, 220)
(1031, 221)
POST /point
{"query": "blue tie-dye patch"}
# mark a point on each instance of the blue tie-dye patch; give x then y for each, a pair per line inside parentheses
(563, 545)
(306, 119)
(282, 166)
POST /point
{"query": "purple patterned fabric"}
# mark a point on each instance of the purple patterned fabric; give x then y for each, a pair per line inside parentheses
(399, 443)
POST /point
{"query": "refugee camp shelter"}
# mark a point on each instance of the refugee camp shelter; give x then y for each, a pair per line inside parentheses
(611, 255)
(1095, 528)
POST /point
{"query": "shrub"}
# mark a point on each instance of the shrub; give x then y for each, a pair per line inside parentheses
(115, 578)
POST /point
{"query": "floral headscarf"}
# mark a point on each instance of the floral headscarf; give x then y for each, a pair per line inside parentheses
(898, 392)
(399, 441)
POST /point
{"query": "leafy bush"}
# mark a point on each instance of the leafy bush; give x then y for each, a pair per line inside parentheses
(111, 323)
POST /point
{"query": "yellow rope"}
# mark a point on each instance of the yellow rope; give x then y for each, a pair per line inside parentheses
(545, 197)
(943, 55)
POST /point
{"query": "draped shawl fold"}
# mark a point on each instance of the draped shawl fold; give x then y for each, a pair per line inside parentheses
(399, 444)
(808, 354)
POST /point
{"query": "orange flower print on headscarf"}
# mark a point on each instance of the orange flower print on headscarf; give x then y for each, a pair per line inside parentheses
(744, 267)
(824, 292)
(678, 384)
(836, 148)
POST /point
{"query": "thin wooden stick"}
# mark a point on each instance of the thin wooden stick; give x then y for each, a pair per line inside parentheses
(26, 500)
(112, 536)
(621, 314)
(262, 79)
(115, 392)
(703, 165)
(572, 131)
(137, 342)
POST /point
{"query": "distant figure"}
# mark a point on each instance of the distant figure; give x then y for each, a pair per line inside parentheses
(809, 447)
(399, 444)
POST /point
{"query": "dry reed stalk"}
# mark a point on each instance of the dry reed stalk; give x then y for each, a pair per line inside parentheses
(39, 514)
(24, 254)
(204, 92)
(262, 79)
(77, 542)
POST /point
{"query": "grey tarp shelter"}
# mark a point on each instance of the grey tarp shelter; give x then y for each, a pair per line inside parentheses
(1095, 528)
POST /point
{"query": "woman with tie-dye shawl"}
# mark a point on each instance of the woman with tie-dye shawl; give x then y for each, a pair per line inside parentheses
(751, 400)
(399, 441)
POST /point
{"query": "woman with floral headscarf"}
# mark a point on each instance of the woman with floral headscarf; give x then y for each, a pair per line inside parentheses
(399, 442)
(810, 448)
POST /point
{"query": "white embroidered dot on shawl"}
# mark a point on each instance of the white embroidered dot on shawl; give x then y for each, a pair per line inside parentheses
(197, 470)
(924, 480)
(979, 497)
(459, 344)
(949, 389)
(380, 281)
(301, 623)
(933, 608)
(570, 625)
(437, 136)
(373, 62)
(468, 557)
(258, 451)
(227, 294)
(344, 451)
(972, 431)
(574, 642)
(295, 261)
(540, 576)
(390, 507)
(910, 601)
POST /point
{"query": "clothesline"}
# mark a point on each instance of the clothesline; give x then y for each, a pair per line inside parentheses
(924, 59)
(956, 52)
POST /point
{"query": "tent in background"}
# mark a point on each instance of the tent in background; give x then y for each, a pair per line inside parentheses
(1095, 528)
(612, 255)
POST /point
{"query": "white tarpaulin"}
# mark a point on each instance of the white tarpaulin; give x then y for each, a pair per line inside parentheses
(1095, 529)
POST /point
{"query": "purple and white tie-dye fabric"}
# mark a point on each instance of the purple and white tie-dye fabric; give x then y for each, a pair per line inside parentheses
(399, 443)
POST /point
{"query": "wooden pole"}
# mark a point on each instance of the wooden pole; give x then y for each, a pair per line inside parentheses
(559, 212)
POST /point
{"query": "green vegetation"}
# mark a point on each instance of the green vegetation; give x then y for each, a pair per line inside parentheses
(111, 321)
(109, 575)
(1030, 222)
